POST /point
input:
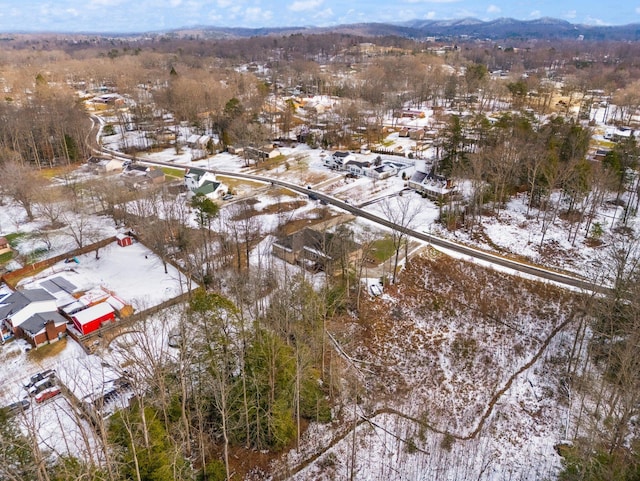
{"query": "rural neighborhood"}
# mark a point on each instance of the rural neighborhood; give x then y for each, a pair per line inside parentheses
(318, 256)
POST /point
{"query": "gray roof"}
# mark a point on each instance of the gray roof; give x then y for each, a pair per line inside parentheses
(18, 300)
(35, 295)
(36, 323)
(57, 284)
(418, 177)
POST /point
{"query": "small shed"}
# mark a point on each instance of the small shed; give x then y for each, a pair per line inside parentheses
(91, 318)
(124, 240)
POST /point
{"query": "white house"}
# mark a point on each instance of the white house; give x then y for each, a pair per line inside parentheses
(383, 171)
(202, 181)
(432, 186)
(21, 305)
(338, 159)
(356, 167)
(100, 165)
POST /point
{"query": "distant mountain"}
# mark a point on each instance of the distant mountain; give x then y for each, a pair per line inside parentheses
(501, 28)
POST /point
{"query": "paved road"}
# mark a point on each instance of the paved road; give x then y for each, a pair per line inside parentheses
(526, 268)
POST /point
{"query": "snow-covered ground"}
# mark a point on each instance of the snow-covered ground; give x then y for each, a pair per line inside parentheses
(135, 275)
(424, 388)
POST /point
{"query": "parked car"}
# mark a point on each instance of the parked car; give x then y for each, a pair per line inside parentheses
(375, 290)
(39, 377)
(227, 197)
(47, 394)
(41, 386)
(17, 407)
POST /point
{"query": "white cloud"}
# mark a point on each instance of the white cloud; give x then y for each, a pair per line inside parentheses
(638, 10)
(324, 14)
(535, 14)
(302, 5)
(214, 17)
(571, 14)
(72, 11)
(430, 15)
(493, 9)
(175, 3)
(256, 14)
(225, 3)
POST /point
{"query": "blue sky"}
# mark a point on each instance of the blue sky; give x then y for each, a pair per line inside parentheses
(153, 15)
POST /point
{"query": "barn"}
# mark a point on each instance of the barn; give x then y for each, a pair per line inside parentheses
(91, 318)
(124, 240)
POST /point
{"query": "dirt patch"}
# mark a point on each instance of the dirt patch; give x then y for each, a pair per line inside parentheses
(281, 207)
(49, 350)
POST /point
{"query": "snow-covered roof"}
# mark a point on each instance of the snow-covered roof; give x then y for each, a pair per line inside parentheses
(92, 313)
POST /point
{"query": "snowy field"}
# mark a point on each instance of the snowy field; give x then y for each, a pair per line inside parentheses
(133, 273)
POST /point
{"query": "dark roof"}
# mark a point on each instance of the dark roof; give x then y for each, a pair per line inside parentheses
(155, 173)
(18, 300)
(325, 243)
(57, 284)
(418, 177)
(138, 168)
(359, 163)
(35, 295)
(207, 188)
(194, 171)
(341, 154)
(36, 323)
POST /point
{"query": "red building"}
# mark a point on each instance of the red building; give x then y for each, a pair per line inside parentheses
(91, 318)
(124, 240)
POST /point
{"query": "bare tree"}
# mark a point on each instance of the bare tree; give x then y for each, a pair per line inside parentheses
(401, 212)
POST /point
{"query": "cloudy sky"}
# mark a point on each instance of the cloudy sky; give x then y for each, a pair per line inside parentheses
(152, 15)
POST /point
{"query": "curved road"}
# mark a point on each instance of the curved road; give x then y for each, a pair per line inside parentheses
(530, 269)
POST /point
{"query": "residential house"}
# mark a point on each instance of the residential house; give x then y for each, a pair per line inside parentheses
(338, 159)
(317, 251)
(136, 175)
(383, 171)
(43, 328)
(417, 134)
(19, 306)
(412, 114)
(100, 165)
(156, 176)
(196, 141)
(263, 153)
(357, 167)
(435, 187)
(205, 182)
